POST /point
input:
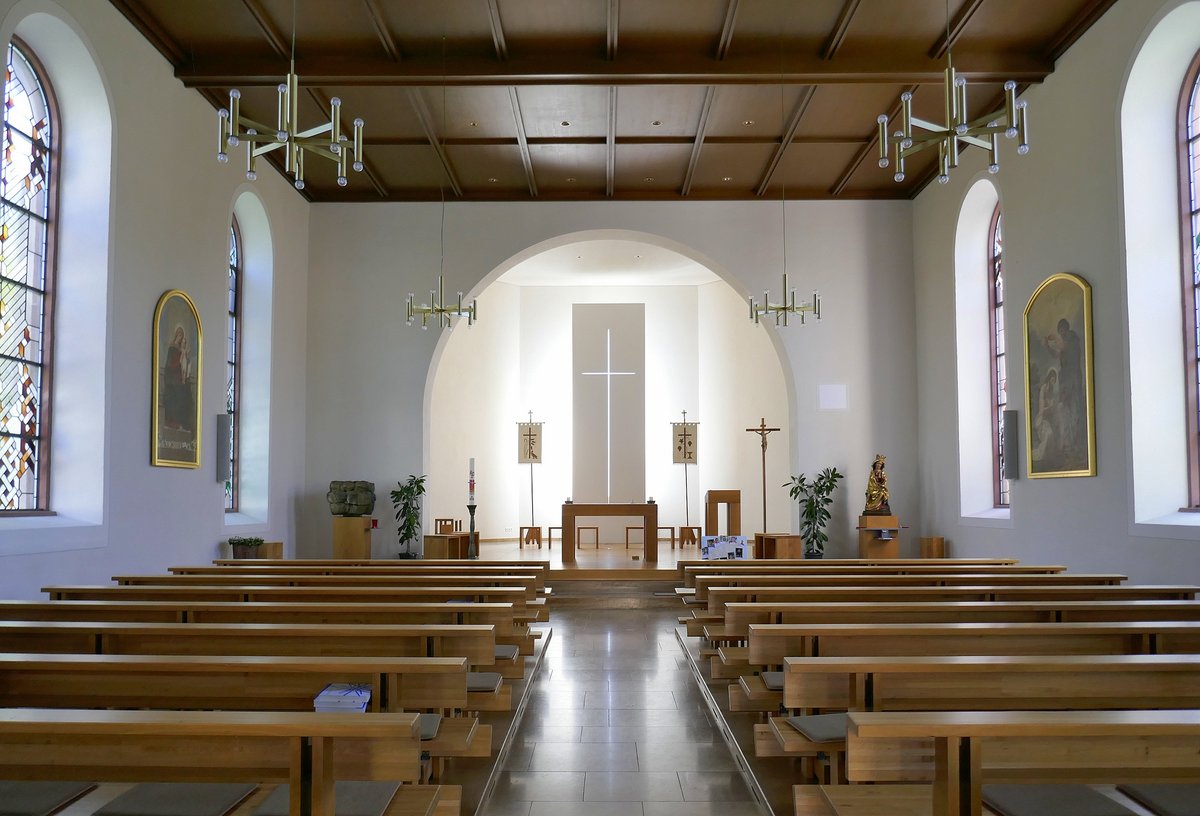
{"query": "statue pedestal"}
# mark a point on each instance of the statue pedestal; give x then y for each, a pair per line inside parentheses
(352, 537)
(878, 537)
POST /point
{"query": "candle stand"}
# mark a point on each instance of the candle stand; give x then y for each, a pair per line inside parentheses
(472, 553)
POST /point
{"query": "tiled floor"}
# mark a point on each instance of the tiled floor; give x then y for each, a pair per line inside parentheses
(615, 726)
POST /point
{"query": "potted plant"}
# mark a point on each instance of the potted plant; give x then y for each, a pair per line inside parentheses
(814, 498)
(245, 546)
(407, 501)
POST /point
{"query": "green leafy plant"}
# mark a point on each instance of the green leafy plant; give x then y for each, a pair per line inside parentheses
(245, 546)
(407, 501)
(815, 498)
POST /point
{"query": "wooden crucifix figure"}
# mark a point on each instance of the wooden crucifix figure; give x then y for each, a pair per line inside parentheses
(762, 430)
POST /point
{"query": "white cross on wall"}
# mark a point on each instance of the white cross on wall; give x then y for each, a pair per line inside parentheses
(608, 374)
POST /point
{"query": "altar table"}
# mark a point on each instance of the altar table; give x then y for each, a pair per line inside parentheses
(570, 512)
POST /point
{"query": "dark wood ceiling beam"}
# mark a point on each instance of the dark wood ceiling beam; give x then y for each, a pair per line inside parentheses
(1075, 29)
(698, 141)
(368, 170)
(840, 29)
(498, 39)
(614, 17)
(610, 148)
(627, 141)
(572, 69)
(872, 145)
(152, 30)
(789, 134)
(522, 141)
(957, 23)
(274, 36)
(425, 117)
(727, 30)
(385, 36)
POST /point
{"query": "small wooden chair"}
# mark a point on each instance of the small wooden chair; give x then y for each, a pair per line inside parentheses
(530, 536)
(631, 528)
(688, 536)
(579, 536)
(441, 526)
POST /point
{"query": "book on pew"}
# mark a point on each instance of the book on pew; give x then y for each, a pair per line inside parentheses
(343, 697)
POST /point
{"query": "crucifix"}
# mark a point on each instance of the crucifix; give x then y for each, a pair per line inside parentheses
(608, 374)
(762, 430)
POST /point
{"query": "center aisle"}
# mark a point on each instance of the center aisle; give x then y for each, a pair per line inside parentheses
(615, 726)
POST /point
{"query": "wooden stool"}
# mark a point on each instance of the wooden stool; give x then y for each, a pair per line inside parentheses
(550, 536)
(447, 525)
(530, 536)
(689, 536)
(579, 536)
(635, 527)
(670, 533)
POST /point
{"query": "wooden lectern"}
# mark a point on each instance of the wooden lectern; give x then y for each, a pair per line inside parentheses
(878, 537)
(732, 499)
(352, 537)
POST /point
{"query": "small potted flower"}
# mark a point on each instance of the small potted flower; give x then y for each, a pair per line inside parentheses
(245, 546)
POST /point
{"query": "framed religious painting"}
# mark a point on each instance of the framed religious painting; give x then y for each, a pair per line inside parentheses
(175, 394)
(1060, 402)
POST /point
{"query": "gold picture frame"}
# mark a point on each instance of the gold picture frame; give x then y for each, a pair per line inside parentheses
(177, 377)
(1060, 403)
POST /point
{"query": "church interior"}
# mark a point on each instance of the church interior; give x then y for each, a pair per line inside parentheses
(673, 406)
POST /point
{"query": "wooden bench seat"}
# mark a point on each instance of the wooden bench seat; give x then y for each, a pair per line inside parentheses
(501, 615)
(193, 746)
(718, 597)
(773, 567)
(706, 582)
(527, 580)
(517, 596)
(259, 567)
(684, 564)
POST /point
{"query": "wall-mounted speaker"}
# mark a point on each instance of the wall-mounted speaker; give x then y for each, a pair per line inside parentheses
(224, 434)
(1012, 469)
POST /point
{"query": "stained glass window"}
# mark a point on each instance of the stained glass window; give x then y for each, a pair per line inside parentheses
(25, 287)
(231, 364)
(1190, 164)
(999, 363)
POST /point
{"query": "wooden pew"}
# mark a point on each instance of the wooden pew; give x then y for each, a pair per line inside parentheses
(718, 597)
(499, 615)
(256, 683)
(974, 747)
(252, 567)
(526, 580)
(475, 643)
(705, 582)
(197, 746)
(523, 608)
(811, 568)
(683, 564)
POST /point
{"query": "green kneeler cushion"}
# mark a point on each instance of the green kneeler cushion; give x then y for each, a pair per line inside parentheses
(178, 799)
(350, 799)
(1171, 799)
(1051, 800)
(19, 798)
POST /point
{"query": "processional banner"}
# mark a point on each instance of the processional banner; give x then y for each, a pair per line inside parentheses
(529, 443)
(683, 443)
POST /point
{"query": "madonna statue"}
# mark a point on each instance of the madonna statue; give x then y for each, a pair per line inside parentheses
(877, 490)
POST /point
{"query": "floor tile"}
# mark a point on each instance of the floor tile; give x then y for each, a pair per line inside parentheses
(586, 809)
(647, 733)
(620, 698)
(713, 786)
(625, 787)
(526, 786)
(596, 756)
(702, 809)
(683, 756)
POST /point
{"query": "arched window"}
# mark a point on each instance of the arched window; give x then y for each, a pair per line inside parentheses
(1189, 164)
(232, 363)
(999, 363)
(26, 285)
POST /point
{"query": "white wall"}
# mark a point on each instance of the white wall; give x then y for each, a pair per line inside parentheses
(366, 258)
(1061, 207)
(169, 205)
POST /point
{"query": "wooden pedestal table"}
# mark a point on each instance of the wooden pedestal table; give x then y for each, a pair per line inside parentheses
(351, 537)
(878, 537)
(778, 545)
(732, 499)
(447, 545)
(570, 512)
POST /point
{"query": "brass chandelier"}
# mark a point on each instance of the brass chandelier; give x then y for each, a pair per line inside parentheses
(958, 131)
(233, 129)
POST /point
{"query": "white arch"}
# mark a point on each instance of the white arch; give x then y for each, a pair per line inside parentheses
(974, 364)
(1150, 215)
(84, 272)
(258, 270)
(580, 236)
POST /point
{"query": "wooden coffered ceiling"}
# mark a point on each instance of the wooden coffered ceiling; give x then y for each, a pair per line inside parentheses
(520, 100)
